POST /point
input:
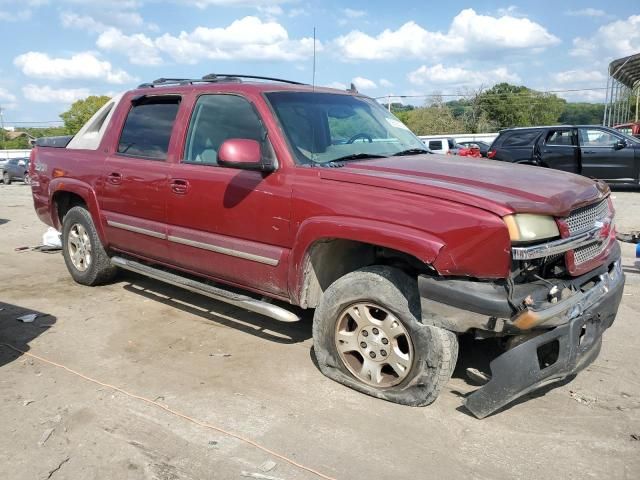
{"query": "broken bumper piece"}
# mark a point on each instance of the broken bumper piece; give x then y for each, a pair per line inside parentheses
(553, 355)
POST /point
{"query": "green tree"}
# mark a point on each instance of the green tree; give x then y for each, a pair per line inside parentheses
(509, 105)
(81, 111)
(582, 114)
(433, 120)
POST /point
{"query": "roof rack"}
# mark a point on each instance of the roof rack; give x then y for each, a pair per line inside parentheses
(212, 78)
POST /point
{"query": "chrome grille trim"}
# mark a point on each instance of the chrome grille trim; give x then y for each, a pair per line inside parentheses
(584, 218)
(588, 252)
(556, 246)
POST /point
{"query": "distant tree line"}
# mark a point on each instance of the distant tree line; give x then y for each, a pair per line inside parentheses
(74, 118)
(502, 106)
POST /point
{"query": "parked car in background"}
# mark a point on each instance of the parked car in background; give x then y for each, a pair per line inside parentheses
(483, 146)
(441, 145)
(16, 169)
(632, 129)
(593, 151)
(449, 146)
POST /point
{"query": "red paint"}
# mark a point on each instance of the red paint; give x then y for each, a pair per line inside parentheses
(443, 212)
(240, 152)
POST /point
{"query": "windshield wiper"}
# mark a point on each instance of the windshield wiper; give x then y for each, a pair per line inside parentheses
(357, 156)
(412, 151)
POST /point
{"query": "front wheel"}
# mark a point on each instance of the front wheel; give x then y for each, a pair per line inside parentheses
(26, 179)
(368, 336)
(6, 178)
(84, 255)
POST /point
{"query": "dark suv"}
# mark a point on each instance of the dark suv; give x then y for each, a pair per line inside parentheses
(592, 151)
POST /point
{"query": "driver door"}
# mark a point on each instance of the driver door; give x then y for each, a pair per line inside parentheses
(603, 159)
(228, 223)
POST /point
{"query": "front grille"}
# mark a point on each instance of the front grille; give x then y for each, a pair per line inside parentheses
(588, 252)
(584, 218)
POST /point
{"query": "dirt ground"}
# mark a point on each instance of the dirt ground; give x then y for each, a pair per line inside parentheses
(255, 377)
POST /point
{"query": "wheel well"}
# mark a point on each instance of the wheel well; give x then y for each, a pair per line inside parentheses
(65, 201)
(331, 258)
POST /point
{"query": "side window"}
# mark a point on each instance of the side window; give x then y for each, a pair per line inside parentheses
(520, 139)
(593, 137)
(451, 143)
(147, 130)
(560, 138)
(435, 144)
(217, 118)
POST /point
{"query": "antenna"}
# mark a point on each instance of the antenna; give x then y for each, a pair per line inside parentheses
(313, 82)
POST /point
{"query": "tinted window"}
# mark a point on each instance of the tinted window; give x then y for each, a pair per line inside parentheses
(520, 139)
(217, 118)
(435, 144)
(561, 138)
(593, 137)
(147, 130)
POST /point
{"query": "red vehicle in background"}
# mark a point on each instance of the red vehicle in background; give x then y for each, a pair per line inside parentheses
(471, 150)
(632, 128)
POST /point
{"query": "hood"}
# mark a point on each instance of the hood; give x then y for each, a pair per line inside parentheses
(499, 187)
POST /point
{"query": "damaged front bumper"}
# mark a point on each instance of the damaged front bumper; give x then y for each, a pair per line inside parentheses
(570, 337)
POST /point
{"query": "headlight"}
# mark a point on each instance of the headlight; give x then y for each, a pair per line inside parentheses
(527, 227)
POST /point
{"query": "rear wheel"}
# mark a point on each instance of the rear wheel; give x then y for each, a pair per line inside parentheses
(368, 336)
(84, 255)
(6, 178)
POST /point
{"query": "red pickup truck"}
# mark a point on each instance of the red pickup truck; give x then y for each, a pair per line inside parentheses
(321, 199)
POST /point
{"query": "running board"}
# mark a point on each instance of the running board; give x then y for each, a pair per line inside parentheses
(242, 301)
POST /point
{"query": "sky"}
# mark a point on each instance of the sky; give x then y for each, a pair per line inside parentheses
(57, 51)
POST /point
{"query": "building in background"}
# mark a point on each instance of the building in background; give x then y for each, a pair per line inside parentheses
(622, 103)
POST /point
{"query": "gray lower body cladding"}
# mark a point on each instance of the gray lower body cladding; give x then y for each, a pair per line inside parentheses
(570, 330)
(553, 356)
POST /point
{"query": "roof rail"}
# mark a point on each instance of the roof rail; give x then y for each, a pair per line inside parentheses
(212, 78)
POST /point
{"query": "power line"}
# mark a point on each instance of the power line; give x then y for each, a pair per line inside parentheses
(532, 93)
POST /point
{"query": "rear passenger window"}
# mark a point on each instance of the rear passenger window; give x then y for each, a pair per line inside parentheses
(147, 130)
(561, 138)
(520, 139)
(217, 118)
(435, 145)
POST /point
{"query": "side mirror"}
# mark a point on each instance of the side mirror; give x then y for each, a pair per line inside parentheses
(619, 145)
(244, 154)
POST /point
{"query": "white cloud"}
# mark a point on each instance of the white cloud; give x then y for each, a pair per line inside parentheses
(352, 13)
(569, 77)
(249, 38)
(232, 3)
(615, 39)
(587, 12)
(102, 20)
(468, 32)
(385, 83)
(46, 94)
(6, 95)
(362, 83)
(140, 49)
(297, 12)
(79, 66)
(456, 76)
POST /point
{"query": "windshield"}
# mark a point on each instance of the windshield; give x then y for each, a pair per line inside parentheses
(327, 127)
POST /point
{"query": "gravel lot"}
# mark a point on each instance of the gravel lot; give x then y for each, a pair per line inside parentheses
(255, 377)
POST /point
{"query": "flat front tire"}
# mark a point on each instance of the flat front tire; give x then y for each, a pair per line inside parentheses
(84, 255)
(367, 335)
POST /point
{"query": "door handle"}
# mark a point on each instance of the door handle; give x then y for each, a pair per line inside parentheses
(114, 178)
(589, 151)
(179, 186)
